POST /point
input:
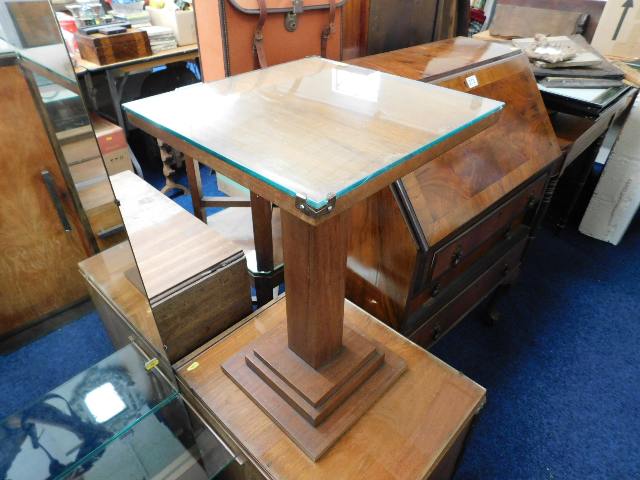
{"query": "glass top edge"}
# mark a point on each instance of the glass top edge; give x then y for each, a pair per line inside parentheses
(317, 204)
(136, 108)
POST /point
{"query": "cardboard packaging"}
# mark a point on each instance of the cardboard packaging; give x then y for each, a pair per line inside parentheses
(617, 195)
(113, 145)
(618, 32)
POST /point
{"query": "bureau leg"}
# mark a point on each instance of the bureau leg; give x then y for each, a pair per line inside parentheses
(492, 313)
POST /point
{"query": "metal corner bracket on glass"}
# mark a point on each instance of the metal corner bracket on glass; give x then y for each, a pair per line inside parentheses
(303, 205)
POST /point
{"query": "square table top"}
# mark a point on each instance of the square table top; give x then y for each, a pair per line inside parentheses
(315, 127)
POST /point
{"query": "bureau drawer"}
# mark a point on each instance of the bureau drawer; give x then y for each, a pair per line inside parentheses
(455, 309)
(453, 254)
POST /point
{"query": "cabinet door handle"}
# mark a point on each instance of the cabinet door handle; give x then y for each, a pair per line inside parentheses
(47, 178)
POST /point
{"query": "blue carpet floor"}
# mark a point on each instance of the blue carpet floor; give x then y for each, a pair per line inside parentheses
(32, 371)
(562, 367)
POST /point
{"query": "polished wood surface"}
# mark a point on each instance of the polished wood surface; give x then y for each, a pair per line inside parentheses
(38, 266)
(170, 246)
(316, 259)
(290, 112)
(315, 407)
(414, 242)
(399, 437)
(107, 49)
(431, 61)
(467, 180)
(195, 279)
(381, 259)
(182, 53)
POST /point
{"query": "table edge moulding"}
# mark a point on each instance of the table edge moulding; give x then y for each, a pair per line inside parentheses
(310, 374)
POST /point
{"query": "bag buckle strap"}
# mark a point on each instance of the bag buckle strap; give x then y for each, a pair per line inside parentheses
(291, 18)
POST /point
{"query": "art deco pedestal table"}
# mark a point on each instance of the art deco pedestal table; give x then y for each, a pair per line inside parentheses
(314, 137)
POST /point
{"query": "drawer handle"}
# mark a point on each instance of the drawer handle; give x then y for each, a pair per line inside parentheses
(533, 201)
(437, 332)
(456, 258)
(50, 184)
(435, 290)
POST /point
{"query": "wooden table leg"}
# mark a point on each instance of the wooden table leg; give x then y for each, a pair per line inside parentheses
(311, 374)
(261, 213)
(195, 185)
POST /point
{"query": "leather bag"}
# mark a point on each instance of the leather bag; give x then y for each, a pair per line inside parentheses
(237, 36)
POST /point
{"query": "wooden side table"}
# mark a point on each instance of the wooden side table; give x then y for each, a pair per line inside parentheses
(314, 137)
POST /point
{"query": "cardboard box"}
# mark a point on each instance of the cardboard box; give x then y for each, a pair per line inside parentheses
(183, 23)
(617, 195)
(113, 145)
(618, 31)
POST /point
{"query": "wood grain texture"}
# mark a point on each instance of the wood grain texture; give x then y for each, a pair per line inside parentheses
(430, 61)
(304, 151)
(398, 437)
(390, 273)
(316, 260)
(381, 259)
(201, 309)
(38, 265)
(170, 246)
(107, 49)
(446, 317)
(465, 181)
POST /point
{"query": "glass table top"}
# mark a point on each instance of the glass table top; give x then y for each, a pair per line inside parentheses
(314, 127)
(114, 420)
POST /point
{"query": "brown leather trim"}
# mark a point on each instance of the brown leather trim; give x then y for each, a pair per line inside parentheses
(283, 6)
(329, 29)
(258, 36)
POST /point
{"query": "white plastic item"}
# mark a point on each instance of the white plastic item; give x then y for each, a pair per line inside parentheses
(182, 22)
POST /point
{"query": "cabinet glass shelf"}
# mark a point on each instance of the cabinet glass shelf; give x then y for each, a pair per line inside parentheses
(114, 420)
(313, 127)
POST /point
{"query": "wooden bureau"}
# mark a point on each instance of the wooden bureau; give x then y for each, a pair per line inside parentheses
(192, 283)
(436, 243)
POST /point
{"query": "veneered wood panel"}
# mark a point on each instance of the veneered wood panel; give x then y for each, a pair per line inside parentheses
(381, 257)
(38, 265)
(406, 434)
(468, 179)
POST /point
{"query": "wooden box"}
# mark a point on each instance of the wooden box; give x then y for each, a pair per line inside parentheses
(107, 49)
(424, 252)
(192, 284)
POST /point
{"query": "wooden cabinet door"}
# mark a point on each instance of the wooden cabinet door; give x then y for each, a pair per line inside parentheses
(38, 257)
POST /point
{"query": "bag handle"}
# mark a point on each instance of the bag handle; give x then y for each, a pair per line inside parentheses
(329, 29)
(258, 36)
